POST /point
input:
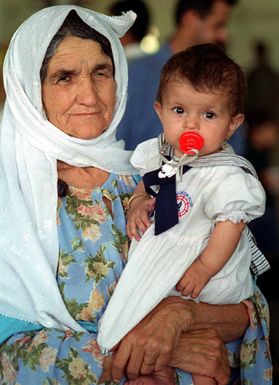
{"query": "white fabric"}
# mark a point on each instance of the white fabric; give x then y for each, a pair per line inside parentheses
(156, 263)
(29, 149)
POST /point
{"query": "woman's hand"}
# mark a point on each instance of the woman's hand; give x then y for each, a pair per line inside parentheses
(150, 345)
(198, 352)
(180, 333)
(202, 352)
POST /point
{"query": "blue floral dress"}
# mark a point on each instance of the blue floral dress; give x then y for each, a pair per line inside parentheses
(93, 251)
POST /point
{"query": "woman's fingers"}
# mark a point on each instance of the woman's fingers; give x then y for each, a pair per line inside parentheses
(202, 352)
(106, 375)
(147, 368)
(150, 344)
(133, 369)
(147, 348)
(120, 360)
(149, 362)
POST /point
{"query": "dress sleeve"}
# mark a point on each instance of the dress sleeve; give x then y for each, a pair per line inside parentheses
(237, 197)
(146, 156)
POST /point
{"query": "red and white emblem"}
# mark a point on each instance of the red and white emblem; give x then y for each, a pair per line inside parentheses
(184, 203)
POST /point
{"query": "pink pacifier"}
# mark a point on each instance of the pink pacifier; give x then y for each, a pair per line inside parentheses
(190, 143)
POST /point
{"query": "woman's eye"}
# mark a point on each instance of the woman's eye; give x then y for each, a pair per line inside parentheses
(178, 110)
(100, 74)
(103, 74)
(209, 114)
(64, 78)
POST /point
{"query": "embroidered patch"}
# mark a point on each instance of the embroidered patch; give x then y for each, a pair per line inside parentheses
(184, 202)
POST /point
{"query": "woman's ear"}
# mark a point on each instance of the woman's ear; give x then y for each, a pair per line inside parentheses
(236, 121)
(158, 108)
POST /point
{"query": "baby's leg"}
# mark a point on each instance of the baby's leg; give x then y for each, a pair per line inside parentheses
(165, 376)
(203, 380)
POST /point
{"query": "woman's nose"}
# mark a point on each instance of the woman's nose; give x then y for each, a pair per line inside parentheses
(87, 92)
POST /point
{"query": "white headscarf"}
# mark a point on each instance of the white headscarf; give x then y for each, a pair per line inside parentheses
(29, 148)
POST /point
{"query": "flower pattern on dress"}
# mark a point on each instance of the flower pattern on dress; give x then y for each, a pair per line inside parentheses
(66, 258)
(92, 232)
(248, 353)
(95, 303)
(93, 348)
(9, 372)
(76, 370)
(97, 267)
(47, 358)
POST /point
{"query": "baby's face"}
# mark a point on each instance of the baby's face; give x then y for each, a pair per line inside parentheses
(184, 109)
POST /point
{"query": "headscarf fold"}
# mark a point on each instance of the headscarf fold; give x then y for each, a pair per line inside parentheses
(29, 149)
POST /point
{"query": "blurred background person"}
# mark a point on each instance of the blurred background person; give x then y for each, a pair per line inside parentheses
(131, 41)
(196, 21)
(261, 140)
(262, 81)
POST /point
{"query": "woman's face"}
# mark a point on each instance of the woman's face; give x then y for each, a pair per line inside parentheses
(79, 89)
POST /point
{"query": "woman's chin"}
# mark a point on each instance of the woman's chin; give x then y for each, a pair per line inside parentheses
(86, 133)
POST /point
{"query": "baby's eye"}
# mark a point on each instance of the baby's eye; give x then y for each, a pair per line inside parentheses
(178, 110)
(209, 114)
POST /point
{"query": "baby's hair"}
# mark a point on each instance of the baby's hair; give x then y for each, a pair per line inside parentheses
(207, 68)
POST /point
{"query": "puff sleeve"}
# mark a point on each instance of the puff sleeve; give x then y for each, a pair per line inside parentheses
(146, 156)
(237, 196)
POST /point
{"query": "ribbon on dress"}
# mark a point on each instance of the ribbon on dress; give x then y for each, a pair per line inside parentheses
(166, 213)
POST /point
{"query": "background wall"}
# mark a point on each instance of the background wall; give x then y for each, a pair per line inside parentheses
(251, 20)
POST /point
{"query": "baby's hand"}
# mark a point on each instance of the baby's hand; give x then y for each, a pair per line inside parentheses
(194, 279)
(138, 217)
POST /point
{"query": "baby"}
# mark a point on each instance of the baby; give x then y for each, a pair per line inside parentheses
(205, 196)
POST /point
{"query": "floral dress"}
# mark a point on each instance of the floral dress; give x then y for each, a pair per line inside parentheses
(93, 251)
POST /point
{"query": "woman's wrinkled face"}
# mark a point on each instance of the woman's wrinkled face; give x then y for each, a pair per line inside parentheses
(79, 89)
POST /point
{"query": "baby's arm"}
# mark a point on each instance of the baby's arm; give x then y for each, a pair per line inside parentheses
(140, 207)
(222, 243)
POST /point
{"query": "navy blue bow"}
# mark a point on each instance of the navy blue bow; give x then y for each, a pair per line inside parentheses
(166, 210)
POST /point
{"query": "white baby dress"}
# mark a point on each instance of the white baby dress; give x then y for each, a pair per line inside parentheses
(207, 194)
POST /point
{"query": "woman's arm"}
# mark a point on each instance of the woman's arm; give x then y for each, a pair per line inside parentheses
(155, 339)
(229, 321)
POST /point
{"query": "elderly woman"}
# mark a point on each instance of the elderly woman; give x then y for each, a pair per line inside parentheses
(60, 257)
